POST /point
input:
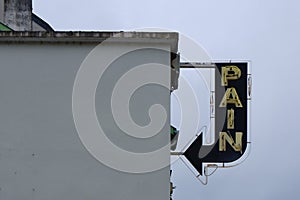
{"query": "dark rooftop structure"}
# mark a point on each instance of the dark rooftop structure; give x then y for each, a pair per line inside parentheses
(17, 15)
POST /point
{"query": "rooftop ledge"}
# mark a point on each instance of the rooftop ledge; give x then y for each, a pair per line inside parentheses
(90, 37)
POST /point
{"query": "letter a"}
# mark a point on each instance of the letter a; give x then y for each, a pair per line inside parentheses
(232, 97)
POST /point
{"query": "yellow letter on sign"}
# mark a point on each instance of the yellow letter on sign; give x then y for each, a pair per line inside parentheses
(232, 97)
(230, 73)
(230, 119)
(236, 145)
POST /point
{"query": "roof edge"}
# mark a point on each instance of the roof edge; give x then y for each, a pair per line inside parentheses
(90, 37)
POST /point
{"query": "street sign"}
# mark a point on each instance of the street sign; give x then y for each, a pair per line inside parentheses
(232, 94)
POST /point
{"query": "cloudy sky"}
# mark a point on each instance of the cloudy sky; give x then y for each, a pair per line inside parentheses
(265, 32)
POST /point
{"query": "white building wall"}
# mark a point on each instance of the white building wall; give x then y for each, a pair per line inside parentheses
(42, 156)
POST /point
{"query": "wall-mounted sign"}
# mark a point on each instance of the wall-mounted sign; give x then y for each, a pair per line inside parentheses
(231, 112)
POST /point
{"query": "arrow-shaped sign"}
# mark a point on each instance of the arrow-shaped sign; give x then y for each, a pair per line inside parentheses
(230, 119)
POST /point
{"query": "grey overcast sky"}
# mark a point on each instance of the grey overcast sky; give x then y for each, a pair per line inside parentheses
(265, 32)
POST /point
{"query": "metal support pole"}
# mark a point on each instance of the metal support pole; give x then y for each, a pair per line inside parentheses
(173, 153)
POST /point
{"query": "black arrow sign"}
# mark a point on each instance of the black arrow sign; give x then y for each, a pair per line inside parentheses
(230, 119)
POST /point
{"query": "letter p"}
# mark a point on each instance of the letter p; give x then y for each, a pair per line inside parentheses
(230, 73)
